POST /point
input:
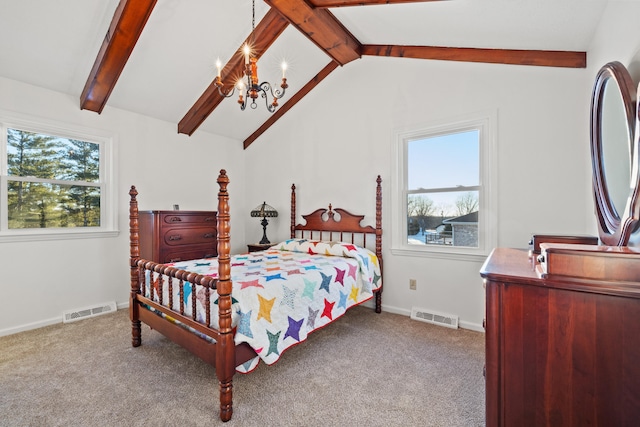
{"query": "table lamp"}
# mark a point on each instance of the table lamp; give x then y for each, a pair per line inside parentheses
(264, 211)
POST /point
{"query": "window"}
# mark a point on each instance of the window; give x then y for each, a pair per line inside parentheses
(443, 204)
(56, 182)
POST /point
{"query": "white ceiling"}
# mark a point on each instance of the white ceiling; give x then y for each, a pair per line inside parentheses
(53, 44)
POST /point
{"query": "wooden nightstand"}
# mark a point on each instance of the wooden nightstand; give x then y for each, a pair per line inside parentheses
(255, 247)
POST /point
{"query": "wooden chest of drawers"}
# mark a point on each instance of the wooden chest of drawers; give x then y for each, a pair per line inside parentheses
(172, 236)
(560, 351)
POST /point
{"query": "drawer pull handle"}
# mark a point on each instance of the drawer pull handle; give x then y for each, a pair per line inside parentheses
(209, 255)
(209, 219)
(208, 236)
(175, 237)
(175, 219)
(175, 260)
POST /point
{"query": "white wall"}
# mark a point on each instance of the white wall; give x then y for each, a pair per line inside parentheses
(335, 142)
(40, 280)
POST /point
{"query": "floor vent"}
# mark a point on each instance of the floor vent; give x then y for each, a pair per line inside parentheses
(430, 316)
(96, 310)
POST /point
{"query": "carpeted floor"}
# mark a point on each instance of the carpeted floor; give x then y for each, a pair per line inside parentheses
(365, 369)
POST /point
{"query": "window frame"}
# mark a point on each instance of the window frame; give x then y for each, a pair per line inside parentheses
(107, 181)
(485, 124)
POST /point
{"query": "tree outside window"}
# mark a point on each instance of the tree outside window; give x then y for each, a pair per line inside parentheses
(52, 182)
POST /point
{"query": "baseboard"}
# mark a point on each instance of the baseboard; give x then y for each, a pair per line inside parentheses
(462, 324)
(396, 310)
(471, 326)
(122, 305)
(30, 326)
(45, 322)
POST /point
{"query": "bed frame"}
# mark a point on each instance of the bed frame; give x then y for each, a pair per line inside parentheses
(220, 350)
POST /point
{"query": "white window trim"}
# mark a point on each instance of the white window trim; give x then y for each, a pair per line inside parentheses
(486, 123)
(108, 182)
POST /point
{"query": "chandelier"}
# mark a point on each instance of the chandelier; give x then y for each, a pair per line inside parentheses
(252, 87)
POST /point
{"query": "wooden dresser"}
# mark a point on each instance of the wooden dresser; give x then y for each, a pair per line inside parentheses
(171, 236)
(560, 351)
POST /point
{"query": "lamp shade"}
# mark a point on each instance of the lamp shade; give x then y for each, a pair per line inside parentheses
(264, 211)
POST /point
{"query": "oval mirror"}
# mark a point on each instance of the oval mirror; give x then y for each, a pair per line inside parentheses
(614, 154)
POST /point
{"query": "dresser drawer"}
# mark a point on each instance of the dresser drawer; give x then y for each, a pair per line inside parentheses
(189, 236)
(189, 219)
(176, 255)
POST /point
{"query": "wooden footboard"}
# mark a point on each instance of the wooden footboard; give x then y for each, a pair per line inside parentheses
(215, 347)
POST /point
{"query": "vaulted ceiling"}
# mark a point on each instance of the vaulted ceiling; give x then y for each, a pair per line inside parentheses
(157, 57)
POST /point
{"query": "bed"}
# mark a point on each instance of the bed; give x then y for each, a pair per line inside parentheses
(220, 308)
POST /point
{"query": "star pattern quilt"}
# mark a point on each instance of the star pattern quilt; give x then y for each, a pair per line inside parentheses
(282, 294)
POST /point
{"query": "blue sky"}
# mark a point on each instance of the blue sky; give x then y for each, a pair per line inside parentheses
(444, 161)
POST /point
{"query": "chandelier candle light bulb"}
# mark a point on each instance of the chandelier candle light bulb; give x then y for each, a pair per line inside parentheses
(246, 52)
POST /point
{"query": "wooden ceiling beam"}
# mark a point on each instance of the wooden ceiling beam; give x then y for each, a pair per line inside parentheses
(265, 33)
(126, 26)
(321, 27)
(291, 102)
(347, 3)
(541, 58)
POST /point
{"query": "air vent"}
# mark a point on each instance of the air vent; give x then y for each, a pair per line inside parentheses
(84, 313)
(430, 316)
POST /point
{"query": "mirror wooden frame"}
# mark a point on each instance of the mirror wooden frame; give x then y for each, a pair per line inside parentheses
(614, 229)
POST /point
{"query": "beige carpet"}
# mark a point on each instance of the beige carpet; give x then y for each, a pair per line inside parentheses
(365, 369)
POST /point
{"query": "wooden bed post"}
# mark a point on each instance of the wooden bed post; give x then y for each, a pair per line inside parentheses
(225, 348)
(134, 250)
(293, 211)
(379, 238)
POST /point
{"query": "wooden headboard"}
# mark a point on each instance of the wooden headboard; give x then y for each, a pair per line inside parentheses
(322, 224)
